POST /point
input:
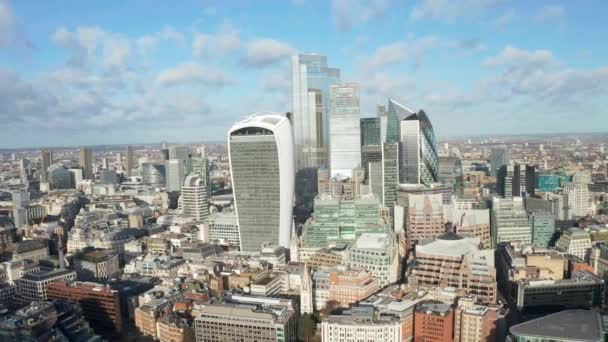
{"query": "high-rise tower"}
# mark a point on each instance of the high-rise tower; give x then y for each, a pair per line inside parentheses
(262, 167)
(86, 162)
(130, 160)
(345, 129)
(194, 198)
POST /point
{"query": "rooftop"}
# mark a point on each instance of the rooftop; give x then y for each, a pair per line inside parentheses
(572, 325)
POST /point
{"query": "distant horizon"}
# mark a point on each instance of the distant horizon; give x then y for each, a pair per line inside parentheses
(218, 142)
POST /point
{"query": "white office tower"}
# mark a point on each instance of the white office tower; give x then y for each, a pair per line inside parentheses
(311, 79)
(576, 200)
(175, 173)
(509, 221)
(344, 130)
(194, 198)
(262, 167)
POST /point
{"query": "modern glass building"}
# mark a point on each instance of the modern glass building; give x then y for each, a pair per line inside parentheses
(370, 131)
(59, 177)
(543, 228)
(200, 167)
(547, 183)
(509, 221)
(344, 129)
(153, 174)
(394, 114)
(498, 157)
(390, 175)
(419, 158)
(341, 222)
(262, 167)
(311, 79)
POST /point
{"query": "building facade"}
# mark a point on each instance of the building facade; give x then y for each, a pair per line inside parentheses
(262, 167)
(344, 130)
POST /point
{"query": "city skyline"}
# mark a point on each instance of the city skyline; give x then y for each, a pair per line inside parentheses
(88, 76)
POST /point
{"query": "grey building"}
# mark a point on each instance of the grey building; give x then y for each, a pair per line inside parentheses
(418, 155)
(543, 228)
(238, 322)
(498, 157)
(153, 174)
(175, 174)
(344, 129)
(108, 177)
(564, 326)
(59, 177)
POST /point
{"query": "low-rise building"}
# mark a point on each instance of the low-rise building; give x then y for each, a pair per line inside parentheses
(33, 286)
(434, 321)
(96, 265)
(574, 241)
(378, 253)
(474, 323)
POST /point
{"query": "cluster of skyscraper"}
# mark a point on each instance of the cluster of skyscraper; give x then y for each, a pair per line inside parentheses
(272, 155)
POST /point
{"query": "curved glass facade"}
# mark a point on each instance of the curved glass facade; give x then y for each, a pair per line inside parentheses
(153, 174)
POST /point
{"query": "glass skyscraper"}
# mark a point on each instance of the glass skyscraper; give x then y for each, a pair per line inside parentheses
(262, 167)
(498, 157)
(370, 131)
(419, 158)
(311, 80)
(344, 129)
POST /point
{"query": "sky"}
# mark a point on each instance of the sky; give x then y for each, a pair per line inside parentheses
(92, 72)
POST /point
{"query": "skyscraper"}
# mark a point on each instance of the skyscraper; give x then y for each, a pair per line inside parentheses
(181, 153)
(194, 198)
(86, 162)
(153, 174)
(262, 167)
(498, 157)
(175, 173)
(130, 160)
(311, 79)
(419, 159)
(390, 174)
(395, 113)
(344, 129)
(47, 161)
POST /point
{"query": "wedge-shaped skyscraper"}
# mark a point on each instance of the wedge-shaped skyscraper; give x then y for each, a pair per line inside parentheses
(262, 166)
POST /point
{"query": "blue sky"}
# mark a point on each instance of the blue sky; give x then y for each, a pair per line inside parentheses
(100, 72)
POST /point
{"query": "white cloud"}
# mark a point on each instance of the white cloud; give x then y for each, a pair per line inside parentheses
(550, 14)
(220, 43)
(387, 55)
(192, 73)
(447, 10)
(350, 13)
(505, 19)
(511, 56)
(412, 51)
(265, 52)
(8, 25)
(117, 52)
(82, 43)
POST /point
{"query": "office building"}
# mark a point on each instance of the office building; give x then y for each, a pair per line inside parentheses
(576, 200)
(509, 221)
(108, 177)
(200, 167)
(239, 322)
(419, 159)
(311, 81)
(193, 200)
(76, 176)
(547, 183)
(33, 286)
(262, 168)
(129, 160)
(173, 327)
(543, 228)
(370, 131)
(86, 162)
(175, 174)
(390, 174)
(378, 253)
(363, 324)
(46, 162)
(515, 180)
(450, 172)
(475, 323)
(424, 218)
(341, 222)
(565, 326)
(154, 174)
(470, 223)
(434, 321)
(574, 241)
(394, 114)
(59, 177)
(344, 130)
(499, 157)
(100, 304)
(98, 265)
(582, 290)
(223, 227)
(455, 261)
(346, 287)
